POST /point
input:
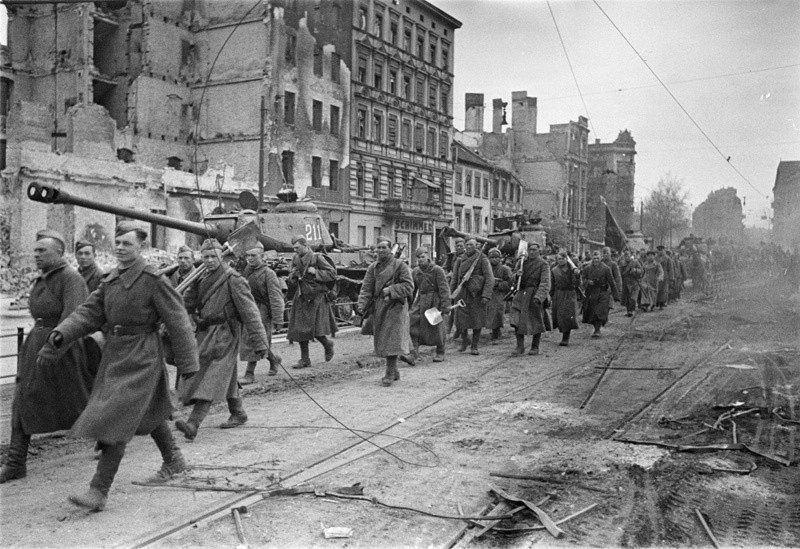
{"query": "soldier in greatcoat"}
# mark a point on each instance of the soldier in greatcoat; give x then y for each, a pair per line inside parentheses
(268, 294)
(653, 275)
(600, 288)
(664, 285)
(431, 291)
(502, 284)
(185, 265)
(85, 256)
(311, 316)
(631, 272)
(131, 393)
(385, 292)
(528, 314)
(221, 304)
(612, 264)
(566, 279)
(48, 397)
(458, 253)
(476, 291)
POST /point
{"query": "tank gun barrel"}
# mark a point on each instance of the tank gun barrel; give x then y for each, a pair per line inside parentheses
(50, 195)
(453, 233)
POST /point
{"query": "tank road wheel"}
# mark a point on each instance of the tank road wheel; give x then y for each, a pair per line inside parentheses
(343, 309)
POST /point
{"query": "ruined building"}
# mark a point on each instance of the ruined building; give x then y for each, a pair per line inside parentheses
(612, 168)
(176, 107)
(786, 205)
(552, 166)
(720, 217)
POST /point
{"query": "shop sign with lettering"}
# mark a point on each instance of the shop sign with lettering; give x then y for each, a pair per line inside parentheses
(413, 225)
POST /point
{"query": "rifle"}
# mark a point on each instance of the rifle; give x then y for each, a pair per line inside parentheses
(580, 291)
(522, 253)
(467, 276)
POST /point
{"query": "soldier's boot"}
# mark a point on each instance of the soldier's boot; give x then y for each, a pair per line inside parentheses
(95, 498)
(17, 456)
(495, 336)
(596, 332)
(250, 375)
(439, 356)
(392, 373)
(173, 461)
(565, 339)
(520, 350)
(476, 336)
(535, 344)
(328, 345)
(305, 360)
(274, 363)
(464, 341)
(238, 416)
(411, 358)
(189, 427)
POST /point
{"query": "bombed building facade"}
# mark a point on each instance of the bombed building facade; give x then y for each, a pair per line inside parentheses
(786, 205)
(720, 217)
(612, 171)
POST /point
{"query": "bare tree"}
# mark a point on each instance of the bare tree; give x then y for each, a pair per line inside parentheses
(665, 210)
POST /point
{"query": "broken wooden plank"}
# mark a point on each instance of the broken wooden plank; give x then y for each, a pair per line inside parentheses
(548, 523)
(709, 533)
(502, 508)
(463, 530)
(550, 480)
(540, 527)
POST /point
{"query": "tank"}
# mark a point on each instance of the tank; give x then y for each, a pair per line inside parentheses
(506, 241)
(275, 230)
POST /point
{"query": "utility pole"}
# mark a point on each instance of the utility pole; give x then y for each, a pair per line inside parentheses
(261, 155)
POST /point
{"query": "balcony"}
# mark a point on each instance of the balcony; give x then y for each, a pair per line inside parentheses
(399, 206)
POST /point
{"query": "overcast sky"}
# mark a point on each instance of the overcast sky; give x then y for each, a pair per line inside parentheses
(734, 66)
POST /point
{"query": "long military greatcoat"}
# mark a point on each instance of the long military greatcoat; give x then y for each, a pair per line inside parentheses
(528, 315)
(222, 303)
(92, 275)
(615, 272)
(664, 284)
(431, 291)
(311, 314)
(565, 298)
(51, 398)
(631, 272)
(600, 288)
(479, 286)
(497, 306)
(268, 295)
(653, 275)
(177, 277)
(390, 314)
(131, 392)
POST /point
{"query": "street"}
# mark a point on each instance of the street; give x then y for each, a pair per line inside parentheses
(630, 428)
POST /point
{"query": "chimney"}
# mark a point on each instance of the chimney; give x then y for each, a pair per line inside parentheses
(473, 103)
(497, 115)
(523, 111)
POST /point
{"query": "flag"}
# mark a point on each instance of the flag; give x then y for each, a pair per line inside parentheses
(615, 236)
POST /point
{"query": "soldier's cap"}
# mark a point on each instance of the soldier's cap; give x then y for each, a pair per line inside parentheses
(210, 244)
(494, 252)
(185, 249)
(126, 226)
(659, 247)
(83, 244)
(50, 233)
(458, 239)
(258, 247)
(651, 252)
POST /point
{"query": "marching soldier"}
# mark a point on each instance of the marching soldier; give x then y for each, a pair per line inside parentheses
(458, 253)
(431, 291)
(311, 316)
(474, 274)
(528, 314)
(384, 296)
(222, 303)
(85, 255)
(600, 289)
(48, 397)
(502, 284)
(131, 393)
(566, 279)
(185, 265)
(631, 272)
(266, 290)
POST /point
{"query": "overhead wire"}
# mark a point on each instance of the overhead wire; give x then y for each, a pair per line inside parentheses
(725, 157)
(571, 69)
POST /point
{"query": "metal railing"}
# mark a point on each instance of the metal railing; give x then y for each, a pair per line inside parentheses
(20, 335)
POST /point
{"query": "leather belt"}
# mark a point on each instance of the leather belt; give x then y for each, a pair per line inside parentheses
(140, 329)
(46, 323)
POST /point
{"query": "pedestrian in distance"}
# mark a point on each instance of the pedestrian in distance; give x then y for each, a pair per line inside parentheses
(528, 307)
(268, 294)
(85, 255)
(631, 272)
(566, 280)
(311, 316)
(502, 285)
(431, 291)
(48, 396)
(600, 288)
(221, 303)
(131, 393)
(387, 288)
(472, 282)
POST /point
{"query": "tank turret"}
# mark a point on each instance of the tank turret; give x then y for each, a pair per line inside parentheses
(275, 229)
